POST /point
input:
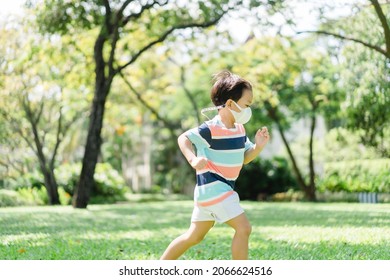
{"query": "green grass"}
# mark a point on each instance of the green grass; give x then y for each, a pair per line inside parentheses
(136, 231)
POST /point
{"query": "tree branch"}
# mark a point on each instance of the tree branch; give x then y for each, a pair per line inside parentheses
(58, 141)
(371, 46)
(188, 93)
(166, 34)
(108, 15)
(114, 41)
(385, 26)
(143, 9)
(123, 7)
(144, 103)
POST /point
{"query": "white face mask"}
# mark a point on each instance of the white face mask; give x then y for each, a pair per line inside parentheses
(243, 116)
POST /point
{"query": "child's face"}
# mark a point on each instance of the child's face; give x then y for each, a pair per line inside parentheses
(244, 102)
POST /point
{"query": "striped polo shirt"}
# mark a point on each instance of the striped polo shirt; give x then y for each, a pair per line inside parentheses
(224, 149)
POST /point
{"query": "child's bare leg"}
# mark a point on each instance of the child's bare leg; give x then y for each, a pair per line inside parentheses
(241, 237)
(193, 236)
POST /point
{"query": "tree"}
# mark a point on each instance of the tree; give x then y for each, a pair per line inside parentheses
(126, 29)
(294, 82)
(37, 90)
(364, 56)
(338, 28)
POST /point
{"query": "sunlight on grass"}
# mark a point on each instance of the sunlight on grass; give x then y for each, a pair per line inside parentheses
(143, 230)
(18, 238)
(320, 234)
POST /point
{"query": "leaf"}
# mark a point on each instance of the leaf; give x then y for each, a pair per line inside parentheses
(22, 251)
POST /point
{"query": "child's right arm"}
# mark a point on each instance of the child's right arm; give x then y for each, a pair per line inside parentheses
(185, 146)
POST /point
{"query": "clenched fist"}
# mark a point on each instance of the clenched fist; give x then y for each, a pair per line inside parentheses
(198, 163)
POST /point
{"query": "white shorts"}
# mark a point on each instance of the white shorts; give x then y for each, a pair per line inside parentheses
(221, 212)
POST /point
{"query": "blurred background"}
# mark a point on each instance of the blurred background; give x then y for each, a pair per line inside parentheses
(93, 95)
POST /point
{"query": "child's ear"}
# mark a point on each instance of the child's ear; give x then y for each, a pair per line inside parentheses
(229, 103)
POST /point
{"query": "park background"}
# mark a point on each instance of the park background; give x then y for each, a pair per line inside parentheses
(95, 93)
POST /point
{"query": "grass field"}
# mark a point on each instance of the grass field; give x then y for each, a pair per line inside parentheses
(137, 231)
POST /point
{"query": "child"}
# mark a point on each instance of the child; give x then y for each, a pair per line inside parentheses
(221, 149)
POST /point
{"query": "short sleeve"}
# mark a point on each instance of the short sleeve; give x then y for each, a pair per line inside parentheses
(248, 144)
(200, 136)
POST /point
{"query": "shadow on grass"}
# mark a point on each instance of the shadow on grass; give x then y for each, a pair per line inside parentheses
(101, 218)
(317, 214)
(217, 247)
(143, 230)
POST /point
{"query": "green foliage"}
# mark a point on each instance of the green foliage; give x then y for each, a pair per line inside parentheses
(108, 182)
(262, 178)
(340, 144)
(289, 196)
(110, 186)
(365, 74)
(64, 16)
(356, 176)
(33, 195)
(32, 179)
(10, 198)
(30, 197)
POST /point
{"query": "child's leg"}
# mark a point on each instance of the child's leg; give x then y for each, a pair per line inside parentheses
(193, 236)
(241, 237)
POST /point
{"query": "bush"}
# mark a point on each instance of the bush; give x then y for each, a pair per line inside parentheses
(30, 188)
(289, 196)
(28, 180)
(262, 178)
(109, 184)
(33, 196)
(10, 198)
(356, 176)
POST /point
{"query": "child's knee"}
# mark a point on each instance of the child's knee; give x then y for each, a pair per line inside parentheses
(194, 239)
(245, 229)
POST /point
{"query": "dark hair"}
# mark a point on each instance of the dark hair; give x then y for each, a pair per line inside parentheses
(227, 86)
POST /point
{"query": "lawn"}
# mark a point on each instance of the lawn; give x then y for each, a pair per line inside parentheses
(137, 231)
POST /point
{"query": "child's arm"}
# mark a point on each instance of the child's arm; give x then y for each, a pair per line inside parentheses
(185, 146)
(261, 139)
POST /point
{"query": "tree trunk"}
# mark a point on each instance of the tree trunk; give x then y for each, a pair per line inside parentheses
(92, 148)
(48, 173)
(49, 179)
(51, 187)
(298, 175)
(311, 190)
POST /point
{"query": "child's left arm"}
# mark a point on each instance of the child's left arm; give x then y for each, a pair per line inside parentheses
(261, 139)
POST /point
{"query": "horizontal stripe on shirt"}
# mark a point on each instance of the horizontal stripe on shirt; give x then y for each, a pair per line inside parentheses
(215, 200)
(209, 177)
(228, 144)
(218, 130)
(211, 191)
(221, 157)
(228, 172)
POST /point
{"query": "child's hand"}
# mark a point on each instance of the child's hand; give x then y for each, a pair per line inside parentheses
(262, 137)
(198, 163)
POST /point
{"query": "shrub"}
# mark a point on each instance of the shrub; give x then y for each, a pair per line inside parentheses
(109, 184)
(28, 180)
(262, 178)
(356, 176)
(33, 196)
(10, 198)
(65, 198)
(289, 196)
(30, 188)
